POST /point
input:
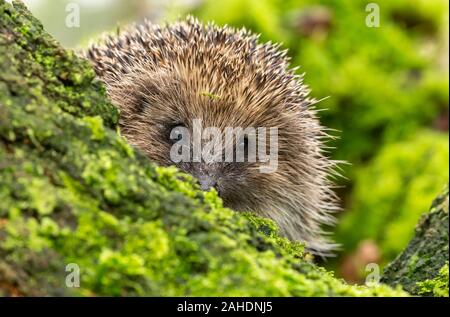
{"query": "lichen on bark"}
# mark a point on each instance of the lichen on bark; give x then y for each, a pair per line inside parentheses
(72, 191)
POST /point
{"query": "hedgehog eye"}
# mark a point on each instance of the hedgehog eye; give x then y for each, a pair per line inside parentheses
(177, 133)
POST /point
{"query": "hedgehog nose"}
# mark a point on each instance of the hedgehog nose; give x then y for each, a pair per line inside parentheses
(207, 182)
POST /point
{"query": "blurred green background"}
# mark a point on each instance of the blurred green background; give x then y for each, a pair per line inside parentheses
(385, 89)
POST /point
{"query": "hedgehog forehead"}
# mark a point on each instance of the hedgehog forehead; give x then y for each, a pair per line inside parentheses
(219, 97)
(180, 95)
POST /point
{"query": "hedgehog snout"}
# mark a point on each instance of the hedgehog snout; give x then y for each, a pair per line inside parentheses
(207, 177)
(207, 182)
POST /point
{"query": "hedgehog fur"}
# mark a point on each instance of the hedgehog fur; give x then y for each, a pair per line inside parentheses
(158, 75)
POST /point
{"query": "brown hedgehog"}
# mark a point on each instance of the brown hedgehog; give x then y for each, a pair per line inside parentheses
(163, 78)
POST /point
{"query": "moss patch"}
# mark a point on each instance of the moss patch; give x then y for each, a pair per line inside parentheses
(437, 286)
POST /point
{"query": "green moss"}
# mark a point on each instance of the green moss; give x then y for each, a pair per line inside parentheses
(96, 125)
(210, 95)
(437, 286)
(73, 191)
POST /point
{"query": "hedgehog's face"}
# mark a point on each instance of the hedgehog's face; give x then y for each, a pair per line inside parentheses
(164, 114)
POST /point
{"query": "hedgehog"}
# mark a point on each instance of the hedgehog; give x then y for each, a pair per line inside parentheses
(162, 77)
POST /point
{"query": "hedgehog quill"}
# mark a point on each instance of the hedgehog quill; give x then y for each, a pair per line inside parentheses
(163, 78)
